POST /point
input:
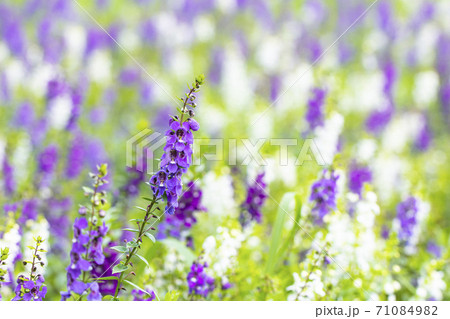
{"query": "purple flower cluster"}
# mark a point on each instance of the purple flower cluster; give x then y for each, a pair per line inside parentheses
(106, 270)
(139, 295)
(86, 250)
(358, 175)
(183, 218)
(323, 194)
(315, 113)
(407, 216)
(256, 196)
(30, 290)
(423, 139)
(434, 249)
(175, 161)
(48, 159)
(199, 282)
(9, 184)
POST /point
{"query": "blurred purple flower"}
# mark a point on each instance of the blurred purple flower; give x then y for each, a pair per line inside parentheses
(184, 218)
(315, 112)
(75, 157)
(129, 76)
(9, 184)
(424, 138)
(323, 195)
(407, 216)
(358, 175)
(256, 197)
(434, 249)
(24, 115)
(139, 295)
(12, 32)
(29, 210)
(378, 119)
(48, 159)
(199, 282)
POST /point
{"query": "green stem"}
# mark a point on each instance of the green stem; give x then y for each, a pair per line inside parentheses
(90, 228)
(34, 260)
(185, 104)
(133, 251)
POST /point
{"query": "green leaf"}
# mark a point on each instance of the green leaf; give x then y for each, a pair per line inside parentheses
(181, 248)
(132, 229)
(142, 258)
(119, 268)
(148, 198)
(286, 206)
(110, 298)
(88, 190)
(295, 227)
(137, 287)
(132, 244)
(141, 208)
(150, 236)
(137, 220)
(120, 249)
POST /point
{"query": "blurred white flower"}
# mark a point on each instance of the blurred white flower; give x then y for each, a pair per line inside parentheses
(218, 197)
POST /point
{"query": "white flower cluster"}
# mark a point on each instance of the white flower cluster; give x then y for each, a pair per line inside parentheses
(220, 251)
(431, 285)
(308, 285)
(11, 240)
(218, 196)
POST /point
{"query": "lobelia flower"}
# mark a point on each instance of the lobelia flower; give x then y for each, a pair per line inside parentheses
(256, 197)
(32, 288)
(358, 175)
(177, 155)
(315, 113)
(178, 224)
(87, 248)
(323, 195)
(139, 295)
(199, 282)
(106, 270)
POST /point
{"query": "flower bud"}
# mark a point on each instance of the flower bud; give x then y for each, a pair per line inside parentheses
(82, 211)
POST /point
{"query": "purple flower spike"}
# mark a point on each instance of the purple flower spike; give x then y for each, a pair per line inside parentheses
(323, 195)
(256, 197)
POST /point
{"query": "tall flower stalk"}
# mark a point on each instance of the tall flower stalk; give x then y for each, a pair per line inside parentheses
(87, 248)
(166, 184)
(32, 288)
(4, 253)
